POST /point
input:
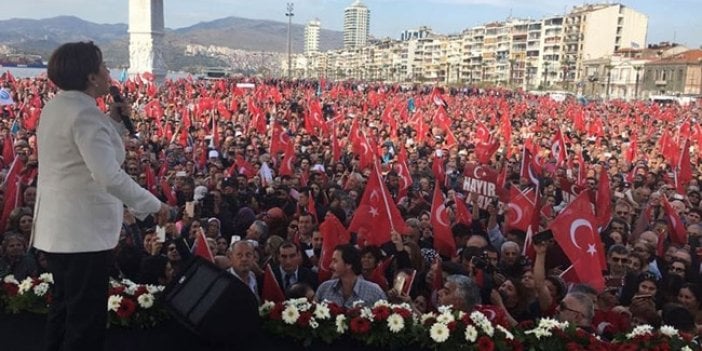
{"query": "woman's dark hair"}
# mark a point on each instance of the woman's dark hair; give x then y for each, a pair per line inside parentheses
(352, 256)
(679, 318)
(373, 250)
(152, 269)
(297, 291)
(70, 65)
(695, 289)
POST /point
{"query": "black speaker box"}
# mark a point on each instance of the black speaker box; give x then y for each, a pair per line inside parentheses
(214, 304)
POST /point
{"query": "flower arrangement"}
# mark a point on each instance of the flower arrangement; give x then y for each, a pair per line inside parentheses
(30, 295)
(303, 320)
(384, 325)
(134, 305)
(550, 334)
(451, 329)
(645, 337)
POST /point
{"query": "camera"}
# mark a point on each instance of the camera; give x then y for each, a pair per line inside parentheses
(479, 262)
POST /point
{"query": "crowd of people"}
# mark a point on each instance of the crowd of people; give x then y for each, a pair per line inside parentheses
(277, 175)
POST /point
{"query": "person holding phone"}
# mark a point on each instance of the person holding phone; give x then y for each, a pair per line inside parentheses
(80, 159)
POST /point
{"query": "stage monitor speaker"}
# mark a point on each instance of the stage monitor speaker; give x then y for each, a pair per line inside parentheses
(214, 304)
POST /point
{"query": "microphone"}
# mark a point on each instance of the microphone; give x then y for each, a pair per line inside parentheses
(117, 97)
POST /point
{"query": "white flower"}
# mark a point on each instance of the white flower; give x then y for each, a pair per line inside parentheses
(113, 302)
(444, 309)
(639, 331)
(668, 331)
(478, 318)
(445, 318)
(471, 333)
(507, 333)
(146, 300)
(25, 286)
(41, 289)
(427, 316)
(313, 323)
(321, 312)
(47, 278)
(488, 329)
(396, 323)
(367, 313)
(686, 348)
(153, 289)
(461, 314)
(439, 332)
(381, 303)
(548, 323)
(341, 326)
(10, 279)
(266, 307)
(290, 314)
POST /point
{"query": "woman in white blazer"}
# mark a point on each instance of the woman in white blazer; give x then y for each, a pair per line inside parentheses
(82, 191)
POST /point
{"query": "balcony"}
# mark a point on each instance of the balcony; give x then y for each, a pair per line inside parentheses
(661, 82)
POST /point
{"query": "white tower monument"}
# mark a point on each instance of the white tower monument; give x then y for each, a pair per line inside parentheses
(146, 32)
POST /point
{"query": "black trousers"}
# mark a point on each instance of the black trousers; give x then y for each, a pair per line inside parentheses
(78, 314)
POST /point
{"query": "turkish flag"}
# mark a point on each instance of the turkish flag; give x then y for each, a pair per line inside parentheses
(485, 149)
(603, 203)
(437, 167)
(529, 168)
(287, 164)
(151, 180)
(8, 150)
(378, 274)
(279, 140)
(575, 231)
(678, 233)
(271, 290)
(333, 234)
(558, 148)
(167, 192)
(13, 193)
(520, 210)
(482, 133)
(200, 248)
(684, 169)
(633, 145)
(443, 238)
(462, 214)
(376, 214)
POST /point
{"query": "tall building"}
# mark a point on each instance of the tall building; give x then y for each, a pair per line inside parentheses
(356, 25)
(598, 30)
(420, 33)
(312, 37)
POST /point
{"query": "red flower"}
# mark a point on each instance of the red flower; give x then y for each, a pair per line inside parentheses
(359, 325)
(126, 308)
(628, 347)
(526, 325)
(572, 346)
(119, 290)
(277, 312)
(403, 312)
(451, 326)
(335, 309)
(430, 321)
(485, 344)
(140, 290)
(11, 289)
(304, 319)
(381, 313)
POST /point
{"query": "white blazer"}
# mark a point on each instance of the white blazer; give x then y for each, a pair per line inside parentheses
(81, 185)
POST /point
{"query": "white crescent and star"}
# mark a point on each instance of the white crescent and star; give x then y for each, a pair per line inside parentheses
(574, 227)
(439, 215)
(374, 193)
(518, 212)
(475, 172)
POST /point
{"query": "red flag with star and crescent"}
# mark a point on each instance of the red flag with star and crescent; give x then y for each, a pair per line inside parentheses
(443, 238)
(575, 231)
(376, 215)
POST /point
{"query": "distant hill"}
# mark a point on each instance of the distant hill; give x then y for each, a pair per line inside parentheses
(41, 37)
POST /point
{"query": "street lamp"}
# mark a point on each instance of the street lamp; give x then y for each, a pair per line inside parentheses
(608, 67)
(636, 84)
(289, 15)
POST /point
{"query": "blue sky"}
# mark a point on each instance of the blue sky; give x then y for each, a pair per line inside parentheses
(668, 19)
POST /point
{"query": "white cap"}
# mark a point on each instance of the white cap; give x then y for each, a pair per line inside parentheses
(181, 174)
(213, 154)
